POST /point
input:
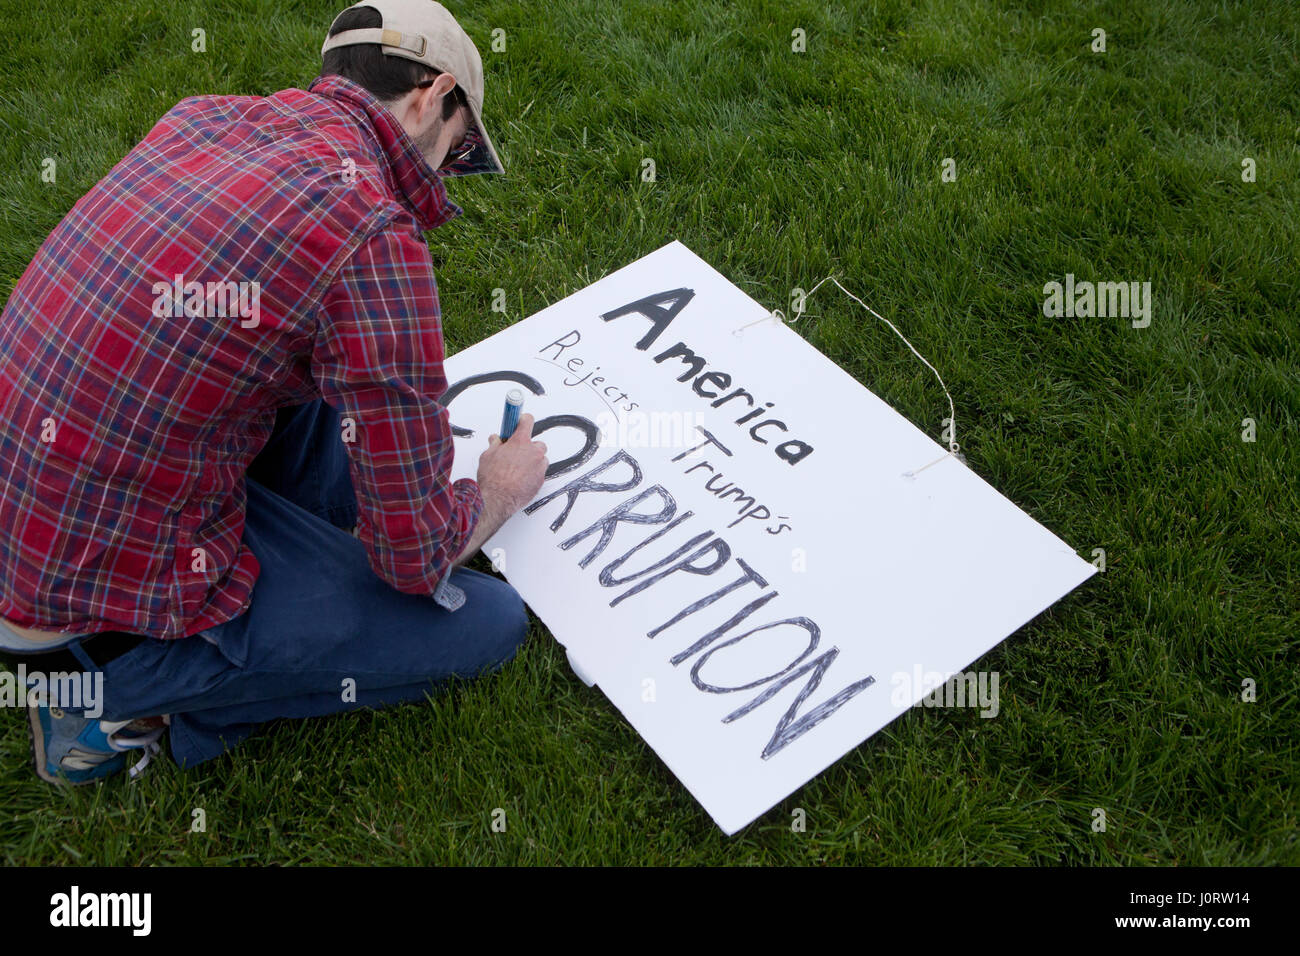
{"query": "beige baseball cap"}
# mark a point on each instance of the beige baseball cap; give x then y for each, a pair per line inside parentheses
(426, 32)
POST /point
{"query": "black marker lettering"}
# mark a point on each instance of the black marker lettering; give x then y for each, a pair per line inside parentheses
(753, 432)
(803, 451)
(720, 379)
(652, 307)
(584, 483)
(754, 414)
(814, 635)
(696, 362)
(708, 440)
(623, 512)
(527, 381)
(561, 343)
(721, 629)
(786, 732)
(728, 397)
(702, 603)
(607, 572)
(722, 554)
(584, 454)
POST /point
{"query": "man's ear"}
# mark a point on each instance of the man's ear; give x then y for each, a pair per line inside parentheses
(415, 107)
(430, 98)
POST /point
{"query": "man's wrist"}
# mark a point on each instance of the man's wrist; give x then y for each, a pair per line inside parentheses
(491, 518)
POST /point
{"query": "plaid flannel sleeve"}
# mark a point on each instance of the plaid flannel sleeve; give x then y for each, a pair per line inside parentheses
(377, 359)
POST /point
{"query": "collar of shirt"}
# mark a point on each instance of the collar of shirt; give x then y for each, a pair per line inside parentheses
(419, 185)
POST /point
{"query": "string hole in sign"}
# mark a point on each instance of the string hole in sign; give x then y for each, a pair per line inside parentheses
(954, 453)
(774, 314)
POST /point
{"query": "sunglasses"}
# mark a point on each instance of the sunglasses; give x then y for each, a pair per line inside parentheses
(461, 149)
(467, 143)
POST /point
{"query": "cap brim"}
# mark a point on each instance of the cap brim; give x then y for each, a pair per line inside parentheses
(493, 160)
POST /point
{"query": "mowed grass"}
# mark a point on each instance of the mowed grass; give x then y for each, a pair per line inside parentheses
(777, 168)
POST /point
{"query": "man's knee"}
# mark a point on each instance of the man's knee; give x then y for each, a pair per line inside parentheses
(504, 616)
(514, 618)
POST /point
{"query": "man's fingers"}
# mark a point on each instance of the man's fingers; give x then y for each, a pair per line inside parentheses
(541, 445)
(524, 430)
(494, 439)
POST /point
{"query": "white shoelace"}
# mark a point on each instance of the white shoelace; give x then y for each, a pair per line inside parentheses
(147, 742)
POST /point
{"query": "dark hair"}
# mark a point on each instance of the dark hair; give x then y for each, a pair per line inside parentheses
(387, 77)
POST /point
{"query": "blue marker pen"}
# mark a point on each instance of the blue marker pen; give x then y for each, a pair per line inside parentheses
(510, 418)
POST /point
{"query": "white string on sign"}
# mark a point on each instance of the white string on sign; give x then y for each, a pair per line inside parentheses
(954, 449)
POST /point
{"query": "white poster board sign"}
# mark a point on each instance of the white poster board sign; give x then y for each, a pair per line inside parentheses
(727, 543)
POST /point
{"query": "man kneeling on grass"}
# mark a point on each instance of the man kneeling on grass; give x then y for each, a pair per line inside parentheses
(224, 471)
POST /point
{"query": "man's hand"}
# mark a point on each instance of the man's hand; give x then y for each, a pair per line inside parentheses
(510, 473)
(513, 470)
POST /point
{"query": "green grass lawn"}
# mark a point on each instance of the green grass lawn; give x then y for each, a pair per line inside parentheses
(778, 167)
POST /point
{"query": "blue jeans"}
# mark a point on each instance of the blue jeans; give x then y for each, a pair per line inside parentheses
(320, 624)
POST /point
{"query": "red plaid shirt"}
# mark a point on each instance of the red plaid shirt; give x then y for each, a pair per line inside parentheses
(126, 429)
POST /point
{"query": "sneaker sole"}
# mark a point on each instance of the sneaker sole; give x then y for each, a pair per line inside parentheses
(38, 745)
(38, 754)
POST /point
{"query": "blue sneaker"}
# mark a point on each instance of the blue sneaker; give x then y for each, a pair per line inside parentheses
(70, 748)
